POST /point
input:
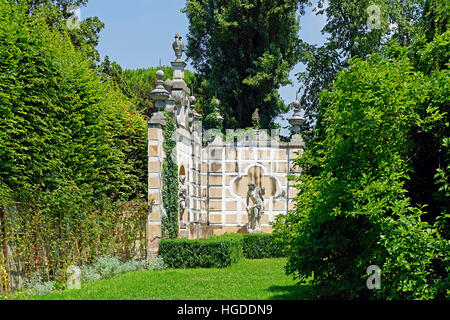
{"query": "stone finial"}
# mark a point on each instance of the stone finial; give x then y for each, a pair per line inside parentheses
(296, 121)
(160, 74)
(178, 83)
(178, 46)
(160, 94)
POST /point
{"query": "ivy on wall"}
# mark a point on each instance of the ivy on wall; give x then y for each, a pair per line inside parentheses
(169, 189)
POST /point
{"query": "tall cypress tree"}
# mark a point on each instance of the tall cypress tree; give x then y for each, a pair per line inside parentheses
(244, 50)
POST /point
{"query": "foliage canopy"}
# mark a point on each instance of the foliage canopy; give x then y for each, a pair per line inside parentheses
(375, 186)
(244, 51)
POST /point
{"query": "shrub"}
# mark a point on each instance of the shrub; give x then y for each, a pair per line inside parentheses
(73, 148)
(359, 204)
(132, 265)
(260, 246)
(156, 264)
(256, 246)
(204, 253)
(107, 266)
(88, 274)
(36, 287)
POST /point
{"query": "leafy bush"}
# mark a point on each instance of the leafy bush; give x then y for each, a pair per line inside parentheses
(132, 265)
(203, 253)
(374, 190)
(218, 251)
(89, 274)
(36, 287)
(156, 264)
(260, 246)
(72, 149)
(107, 266)
(355, 208)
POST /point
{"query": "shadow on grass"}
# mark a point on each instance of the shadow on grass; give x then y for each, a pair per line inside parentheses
(294, 292)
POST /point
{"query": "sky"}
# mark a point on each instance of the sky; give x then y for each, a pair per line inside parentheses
(138, 33)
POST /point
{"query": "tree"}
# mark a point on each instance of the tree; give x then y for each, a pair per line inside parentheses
(60, 120)
(355, 29)
(374, 190)
(72, 149)
(244, 50)
(57, 13)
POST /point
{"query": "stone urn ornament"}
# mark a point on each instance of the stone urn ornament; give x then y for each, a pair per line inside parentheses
(178, 46)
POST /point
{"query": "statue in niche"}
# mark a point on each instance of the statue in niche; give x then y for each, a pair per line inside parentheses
(182, 193)
(255, 211)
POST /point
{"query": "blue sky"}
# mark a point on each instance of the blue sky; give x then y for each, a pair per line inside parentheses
(138, 33)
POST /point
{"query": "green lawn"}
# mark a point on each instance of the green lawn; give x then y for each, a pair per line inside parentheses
(246, 280)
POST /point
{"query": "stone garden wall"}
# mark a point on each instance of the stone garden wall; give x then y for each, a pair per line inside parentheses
(214, 175)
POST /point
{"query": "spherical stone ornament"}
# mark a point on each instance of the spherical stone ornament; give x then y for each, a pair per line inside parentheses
(160, 74)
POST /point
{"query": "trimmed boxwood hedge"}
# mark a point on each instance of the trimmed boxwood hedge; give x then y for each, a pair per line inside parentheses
(218, 251)
(256, 246)
(202, 253)
(260, 246)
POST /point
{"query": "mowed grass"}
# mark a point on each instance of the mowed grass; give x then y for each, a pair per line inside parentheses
(247, 280)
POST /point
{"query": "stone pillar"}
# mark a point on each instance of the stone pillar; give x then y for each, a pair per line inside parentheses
(156, 157)
(295, 150)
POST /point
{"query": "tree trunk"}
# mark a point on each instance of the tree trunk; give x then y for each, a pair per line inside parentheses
(3, 233)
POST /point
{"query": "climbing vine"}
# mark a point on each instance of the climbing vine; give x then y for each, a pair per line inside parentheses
(169, 187)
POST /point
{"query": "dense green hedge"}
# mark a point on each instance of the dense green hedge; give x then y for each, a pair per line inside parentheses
(218, 251)
(260, 246)
(73, 149)
(211, 253)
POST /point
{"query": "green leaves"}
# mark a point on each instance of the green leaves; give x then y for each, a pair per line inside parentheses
(169, 176)
(359, 203)
(244, 51)
(349, 36)
(203, 253)
(61, 122)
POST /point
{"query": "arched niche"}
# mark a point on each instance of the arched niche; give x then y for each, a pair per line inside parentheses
(256, 174)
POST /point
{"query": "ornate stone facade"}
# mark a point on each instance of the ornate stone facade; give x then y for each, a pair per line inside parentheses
(216, 175)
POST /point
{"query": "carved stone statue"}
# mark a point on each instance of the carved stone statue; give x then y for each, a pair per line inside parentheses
(255, 211)
(182, 193)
